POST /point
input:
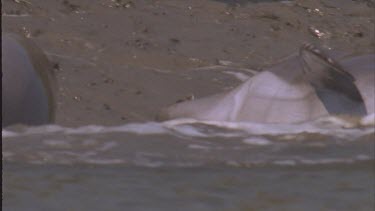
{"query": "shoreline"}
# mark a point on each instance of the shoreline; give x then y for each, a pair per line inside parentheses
(117, 64)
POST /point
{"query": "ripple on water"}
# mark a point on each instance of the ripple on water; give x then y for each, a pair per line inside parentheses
(189, 142)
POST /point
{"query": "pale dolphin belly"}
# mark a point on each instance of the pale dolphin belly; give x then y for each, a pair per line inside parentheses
(279, 94)
(26, 97)
(265, 98)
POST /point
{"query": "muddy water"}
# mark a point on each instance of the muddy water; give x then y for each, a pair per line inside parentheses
(189, 165)
(119, 62)
(200, 188)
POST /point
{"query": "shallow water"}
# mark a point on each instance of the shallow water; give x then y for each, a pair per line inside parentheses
(104, 68)
(90, 187)
(191, 165)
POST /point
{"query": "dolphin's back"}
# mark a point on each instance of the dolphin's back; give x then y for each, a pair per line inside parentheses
(292, 91)
(278, 95)
(363, 69)
(26, 97)
(275, 95)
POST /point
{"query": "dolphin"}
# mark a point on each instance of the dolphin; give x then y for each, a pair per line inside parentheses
(303, 87)
(28, 83)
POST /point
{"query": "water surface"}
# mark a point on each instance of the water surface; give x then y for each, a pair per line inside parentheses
(186, 164)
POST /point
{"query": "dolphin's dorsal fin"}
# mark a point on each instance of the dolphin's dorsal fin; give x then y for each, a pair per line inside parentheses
(334, 86)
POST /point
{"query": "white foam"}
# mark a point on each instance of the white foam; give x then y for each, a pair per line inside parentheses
(57, 143)
(238, 75)
(188, 130)
(364, 157)
(140, 128)
(330, 126)
(257, 141)
(5, 134)
(368, 120)
(326, 126)
(197, 146)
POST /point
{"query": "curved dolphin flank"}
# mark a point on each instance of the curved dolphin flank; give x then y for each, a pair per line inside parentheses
(302, 88)
(334, 86)
(28, 83)
(362, 68)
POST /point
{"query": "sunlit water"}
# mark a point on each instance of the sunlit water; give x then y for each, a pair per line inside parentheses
(186, 164)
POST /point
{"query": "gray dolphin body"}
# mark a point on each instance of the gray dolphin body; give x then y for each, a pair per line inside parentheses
(302, 88)
(27, 83)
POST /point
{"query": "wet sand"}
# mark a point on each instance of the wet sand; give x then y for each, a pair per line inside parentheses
(122, 61)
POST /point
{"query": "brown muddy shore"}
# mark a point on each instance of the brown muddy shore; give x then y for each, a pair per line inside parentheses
(119, 61)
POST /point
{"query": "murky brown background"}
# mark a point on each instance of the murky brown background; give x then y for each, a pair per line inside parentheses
(119, 61)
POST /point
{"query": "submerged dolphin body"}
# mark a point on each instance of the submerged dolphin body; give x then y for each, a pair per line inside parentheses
(27, 83)
(302, 88)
